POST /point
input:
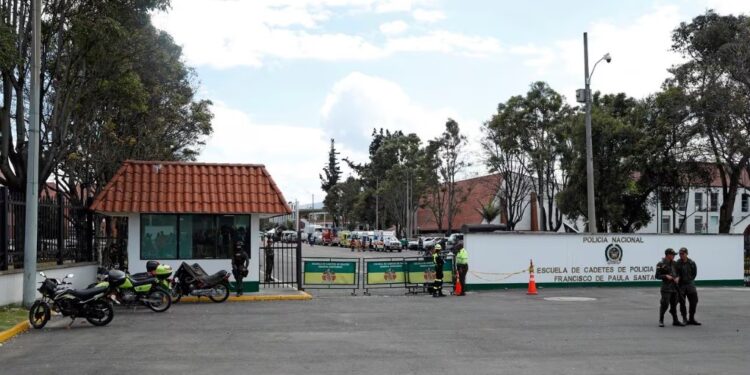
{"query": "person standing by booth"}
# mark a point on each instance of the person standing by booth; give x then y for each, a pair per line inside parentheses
(269, 260)
(438, 261)
(462, 266)
(240, 262)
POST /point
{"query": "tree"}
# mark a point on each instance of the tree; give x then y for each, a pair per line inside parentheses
(488, 211)
(716, 81)
(112, 87)
(450, 162)
(332, 173)
(530, 125)
(503, 156)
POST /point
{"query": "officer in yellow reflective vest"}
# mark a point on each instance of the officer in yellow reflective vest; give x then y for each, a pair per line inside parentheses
(462, 266)
(438, 261)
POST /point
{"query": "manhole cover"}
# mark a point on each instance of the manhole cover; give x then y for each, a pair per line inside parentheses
(570, 299)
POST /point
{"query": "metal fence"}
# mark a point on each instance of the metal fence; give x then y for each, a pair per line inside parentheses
(280, 264)
(66, 233)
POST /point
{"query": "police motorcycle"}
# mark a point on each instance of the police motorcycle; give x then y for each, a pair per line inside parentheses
(85, 303)
(148, 290)
(194, 281)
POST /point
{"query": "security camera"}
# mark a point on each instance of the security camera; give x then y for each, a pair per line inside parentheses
(608, 58)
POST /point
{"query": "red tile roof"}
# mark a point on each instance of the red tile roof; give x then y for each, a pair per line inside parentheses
(179, 187)
(480, 191)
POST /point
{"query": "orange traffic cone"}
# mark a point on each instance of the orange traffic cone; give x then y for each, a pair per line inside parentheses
(458, 288)
(532, 281)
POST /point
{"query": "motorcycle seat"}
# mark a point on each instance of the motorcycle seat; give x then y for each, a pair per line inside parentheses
(140, 276)
(84, 294)
(214, 279)
(139, 282)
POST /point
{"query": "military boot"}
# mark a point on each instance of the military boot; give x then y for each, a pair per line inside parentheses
(676, 322)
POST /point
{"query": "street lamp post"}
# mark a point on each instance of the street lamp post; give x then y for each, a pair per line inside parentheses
(589, 150)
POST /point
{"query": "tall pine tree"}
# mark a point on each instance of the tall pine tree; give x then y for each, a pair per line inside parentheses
(332, 171)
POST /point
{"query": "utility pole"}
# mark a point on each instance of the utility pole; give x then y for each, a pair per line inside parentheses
(32, 167)
(589, 151)
(586, 93)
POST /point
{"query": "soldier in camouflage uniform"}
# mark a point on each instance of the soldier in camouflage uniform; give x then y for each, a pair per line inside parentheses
(687, 270)
(667, 273)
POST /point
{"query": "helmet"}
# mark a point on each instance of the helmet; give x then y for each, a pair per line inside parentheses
(151, 265)
(438, 247)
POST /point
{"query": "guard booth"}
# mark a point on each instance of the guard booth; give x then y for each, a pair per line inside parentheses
(192, 212)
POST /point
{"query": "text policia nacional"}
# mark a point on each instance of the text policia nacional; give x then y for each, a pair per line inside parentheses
(600, 273)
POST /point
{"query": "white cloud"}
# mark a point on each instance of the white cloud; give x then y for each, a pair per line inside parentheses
(429, 16)
(250, 33)
(394, 27)
(725, 7)
(641, 54)
(358, 103)
(446, 42)
(293, 155)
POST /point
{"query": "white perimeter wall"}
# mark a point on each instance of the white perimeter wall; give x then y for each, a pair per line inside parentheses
(576, 258)
(135, 264)
(11, 285)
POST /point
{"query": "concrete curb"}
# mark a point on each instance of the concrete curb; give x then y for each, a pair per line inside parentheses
(10, 332)
(302, 296)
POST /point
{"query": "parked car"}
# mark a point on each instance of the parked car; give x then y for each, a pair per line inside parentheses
(391, 243)
(429, 242)
(413, 244)
(454, 239)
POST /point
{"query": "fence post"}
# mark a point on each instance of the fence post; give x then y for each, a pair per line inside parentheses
(4, 240)
(298, 260)
(60, 227)
(88, 232)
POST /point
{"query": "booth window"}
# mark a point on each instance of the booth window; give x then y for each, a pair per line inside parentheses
(158, 236)
(193, 236)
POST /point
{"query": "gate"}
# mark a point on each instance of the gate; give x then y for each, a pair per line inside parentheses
(279, 262)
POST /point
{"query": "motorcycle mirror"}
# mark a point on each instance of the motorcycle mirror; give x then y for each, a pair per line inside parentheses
(69, 276)
(42, 274)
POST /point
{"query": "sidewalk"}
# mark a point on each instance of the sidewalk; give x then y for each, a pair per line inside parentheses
(270, 294)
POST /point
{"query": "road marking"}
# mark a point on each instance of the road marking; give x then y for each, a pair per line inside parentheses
(570, 299)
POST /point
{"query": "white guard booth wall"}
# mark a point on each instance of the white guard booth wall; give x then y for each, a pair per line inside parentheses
(501, 259)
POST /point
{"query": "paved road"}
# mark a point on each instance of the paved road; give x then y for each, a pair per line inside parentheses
(503, 332)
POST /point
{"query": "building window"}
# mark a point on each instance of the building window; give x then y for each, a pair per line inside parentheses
(698, 201)
(699, 224)
(158, 236)
(714, 222)
(682, 201)
(714, 201)
(745, 202)
(683, 225)
(666, 224)
(193, 236)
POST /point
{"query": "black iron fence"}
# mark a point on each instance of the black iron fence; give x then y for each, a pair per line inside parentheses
(66, 233)
(280, 263)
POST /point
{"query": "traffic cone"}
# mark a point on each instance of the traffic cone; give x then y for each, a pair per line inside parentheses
(458, 288)
(532, 281)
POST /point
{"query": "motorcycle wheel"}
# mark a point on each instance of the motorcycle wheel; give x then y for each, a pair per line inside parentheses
(104, 313)
(39, 314)
(164, 298)
(223, 294)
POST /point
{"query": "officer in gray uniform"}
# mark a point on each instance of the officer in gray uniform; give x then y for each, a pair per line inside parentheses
(667, 273)
(687, 270)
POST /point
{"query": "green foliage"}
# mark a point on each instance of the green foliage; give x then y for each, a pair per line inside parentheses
(113, 88)
(489, 211)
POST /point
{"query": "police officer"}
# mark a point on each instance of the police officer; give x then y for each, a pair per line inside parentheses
(462, 266)
(687, 270)
(269, 260)
(240, 261)
(438, 261)
(667, 273)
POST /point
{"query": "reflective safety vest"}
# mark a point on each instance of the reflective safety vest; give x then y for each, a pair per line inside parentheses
(462, 257)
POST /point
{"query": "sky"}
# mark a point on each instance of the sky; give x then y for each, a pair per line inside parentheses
(286, 76)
